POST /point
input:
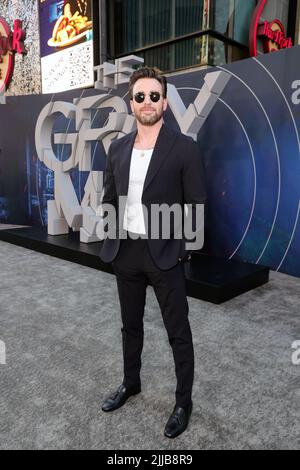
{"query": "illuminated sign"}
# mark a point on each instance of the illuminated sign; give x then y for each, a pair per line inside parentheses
(11, 43)
(273, 36)
(66, 44)
(272, 33)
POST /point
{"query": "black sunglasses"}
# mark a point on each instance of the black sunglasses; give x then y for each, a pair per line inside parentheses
(140, 96)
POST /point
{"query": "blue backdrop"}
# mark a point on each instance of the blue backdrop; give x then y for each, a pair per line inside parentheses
(250, 147)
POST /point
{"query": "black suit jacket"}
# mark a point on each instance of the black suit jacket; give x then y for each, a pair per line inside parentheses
(175, 175)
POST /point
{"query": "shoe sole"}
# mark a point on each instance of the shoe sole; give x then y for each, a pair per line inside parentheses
(175, 435)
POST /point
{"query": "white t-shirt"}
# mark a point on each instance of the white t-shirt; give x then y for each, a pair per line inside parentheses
(133, 217)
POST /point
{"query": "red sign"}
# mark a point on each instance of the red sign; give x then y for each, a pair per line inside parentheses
(273, 33)
(11, 42)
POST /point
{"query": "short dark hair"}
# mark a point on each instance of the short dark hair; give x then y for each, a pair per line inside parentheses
(148, 72)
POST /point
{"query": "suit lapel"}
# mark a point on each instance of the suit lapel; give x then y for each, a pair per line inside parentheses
(165, 141)
(125, 161)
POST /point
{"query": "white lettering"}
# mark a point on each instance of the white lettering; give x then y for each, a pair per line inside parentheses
(118, 460)
(296, 354)
(2, 353)
(296, 94)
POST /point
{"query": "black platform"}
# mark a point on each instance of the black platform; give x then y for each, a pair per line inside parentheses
(208, 278)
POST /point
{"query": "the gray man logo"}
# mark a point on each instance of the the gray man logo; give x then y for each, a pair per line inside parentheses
(65, 210)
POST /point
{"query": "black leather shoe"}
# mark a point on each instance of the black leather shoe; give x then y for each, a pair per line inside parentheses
(178, 421)
(117, 399)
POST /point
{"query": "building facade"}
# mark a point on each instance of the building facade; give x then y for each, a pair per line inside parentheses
(179, 34)
(174, 35)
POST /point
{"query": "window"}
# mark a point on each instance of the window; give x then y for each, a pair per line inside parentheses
(232, 18)
(176, 34)
(134, 24)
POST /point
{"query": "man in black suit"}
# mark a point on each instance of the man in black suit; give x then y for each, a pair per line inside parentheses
(153, 165)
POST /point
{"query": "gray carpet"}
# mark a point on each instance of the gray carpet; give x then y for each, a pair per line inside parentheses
(61, 326)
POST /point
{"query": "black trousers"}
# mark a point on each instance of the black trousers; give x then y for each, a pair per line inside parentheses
(134, 269)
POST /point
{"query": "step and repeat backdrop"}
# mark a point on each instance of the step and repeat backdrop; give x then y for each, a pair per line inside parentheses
(249, 144)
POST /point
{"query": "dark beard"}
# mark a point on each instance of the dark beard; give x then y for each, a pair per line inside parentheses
(149, 120)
